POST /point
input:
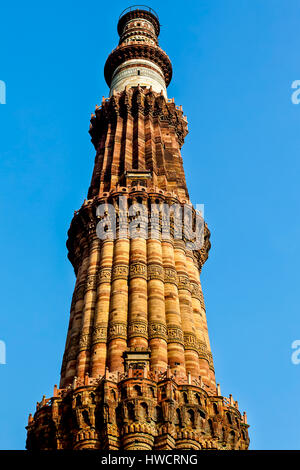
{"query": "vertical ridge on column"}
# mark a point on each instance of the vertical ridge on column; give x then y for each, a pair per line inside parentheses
(128, 157)
(116, 155)
(72, 352)
(185, 301)
(83, 358)
(150, 141)
(197, 314)
(117, 331)
(176, 359)
(159, 153)
(209, 353)
(137, 312)
(156, 306)
(99, 340)
(95, 181)
(104, 180)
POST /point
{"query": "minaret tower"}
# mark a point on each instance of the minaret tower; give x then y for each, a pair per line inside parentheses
(137, 371)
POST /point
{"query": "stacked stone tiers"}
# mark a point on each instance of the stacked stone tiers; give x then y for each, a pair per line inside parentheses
(138, 59)
(137, 292)
(137, 410)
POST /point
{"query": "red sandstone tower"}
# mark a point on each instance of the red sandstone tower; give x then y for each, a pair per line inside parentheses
(137, 371)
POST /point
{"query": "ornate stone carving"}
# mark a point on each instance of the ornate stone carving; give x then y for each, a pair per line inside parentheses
(210, 361)
(120, 272)
(190, 341)
(138, 270)
(171, 275)
(117, 330)
(109, 417)
(100, 333)
(104, 275)
(175, 334)
(137, 328)
(202, 350)
(155, 271)
(158, 330)
(195, 290)
(184, 282)
(85, 339)
(90, 282)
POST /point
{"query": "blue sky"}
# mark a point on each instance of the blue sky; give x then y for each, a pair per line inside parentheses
(234, 62)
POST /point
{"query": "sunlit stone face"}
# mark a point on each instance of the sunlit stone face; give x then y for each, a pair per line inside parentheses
(138, 72)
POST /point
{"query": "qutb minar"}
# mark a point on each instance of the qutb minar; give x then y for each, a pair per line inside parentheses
(137, 371)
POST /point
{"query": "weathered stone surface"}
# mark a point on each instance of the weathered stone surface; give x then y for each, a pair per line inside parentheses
(135, 410)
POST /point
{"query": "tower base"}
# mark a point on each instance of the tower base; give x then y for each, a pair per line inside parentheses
(155, 411)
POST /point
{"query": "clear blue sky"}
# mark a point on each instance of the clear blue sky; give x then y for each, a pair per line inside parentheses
(234, 62)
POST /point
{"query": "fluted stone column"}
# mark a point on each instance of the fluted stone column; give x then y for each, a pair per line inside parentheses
(176, 358)
(72, 347)
(100, 327)
(209, 353)
(197, 315)
(185, 301)
(138, 313)
(156, 307)
(83, 359)
(117, 331)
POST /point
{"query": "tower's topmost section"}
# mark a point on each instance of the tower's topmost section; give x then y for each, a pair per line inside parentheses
(138, 59)
(139, 11)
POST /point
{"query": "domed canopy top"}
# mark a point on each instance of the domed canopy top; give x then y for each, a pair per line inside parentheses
(139, 11)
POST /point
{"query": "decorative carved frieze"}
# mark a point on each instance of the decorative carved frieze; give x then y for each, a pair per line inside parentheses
(120, 272)
(138, 270)
(202, 350)
(117, 330)
(100, 333)
(158, 330)
(85, 339)
(91, 282)
(104, 275)
(155, 271)
(175, 334)
(170, 275)
(184, 282)
(190, 341)
(137, 328)
(195, 290)
(210, 361)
